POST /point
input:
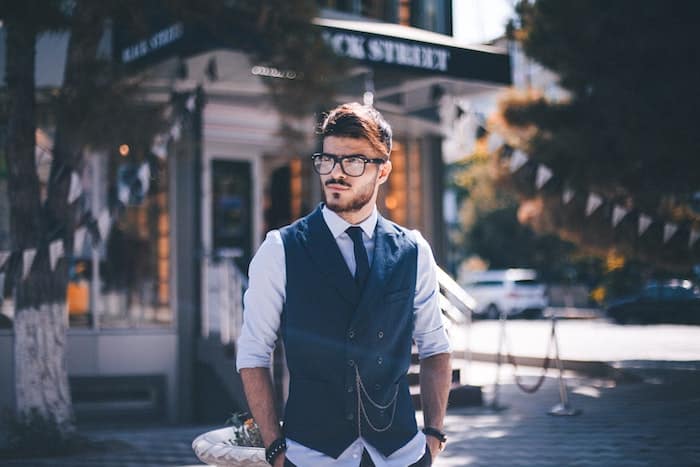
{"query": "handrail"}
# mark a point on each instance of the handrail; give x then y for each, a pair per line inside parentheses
(455, 303)
(223, 301)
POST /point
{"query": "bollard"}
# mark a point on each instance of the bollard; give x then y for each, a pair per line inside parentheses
(562, 408)
(501, 341)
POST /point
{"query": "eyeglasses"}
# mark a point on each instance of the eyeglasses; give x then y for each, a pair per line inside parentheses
(353, 165)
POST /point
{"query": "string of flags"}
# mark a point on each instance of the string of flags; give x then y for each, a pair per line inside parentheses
(594, 201)
(102, 222)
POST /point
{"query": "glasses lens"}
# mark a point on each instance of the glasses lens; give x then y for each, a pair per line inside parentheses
(323, 164)
(353, 166)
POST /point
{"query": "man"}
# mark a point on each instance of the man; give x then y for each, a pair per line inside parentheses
(349, 291)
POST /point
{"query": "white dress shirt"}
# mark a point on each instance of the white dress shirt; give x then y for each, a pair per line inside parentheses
(263, 303)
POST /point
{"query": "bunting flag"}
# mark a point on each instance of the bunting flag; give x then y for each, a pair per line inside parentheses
(79, 240)
(593, 203)
(144, 176)
(27, 261)
(517, 160)
(644, 223)
(176, 131)
(104, 222)
(76, 188)
(618, 214)
(124, 194)
(670, 229)
(56, 252)
(159, 147)
(567, 195)
(543, 176)
(191, 102)
(3, 257)
(694, 236)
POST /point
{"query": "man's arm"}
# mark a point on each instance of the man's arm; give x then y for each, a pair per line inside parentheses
(435, 381)
(257, 384)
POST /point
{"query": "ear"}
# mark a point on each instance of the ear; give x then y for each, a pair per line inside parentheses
(384, 171)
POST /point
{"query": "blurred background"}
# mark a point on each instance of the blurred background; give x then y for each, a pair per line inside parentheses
(546, 150)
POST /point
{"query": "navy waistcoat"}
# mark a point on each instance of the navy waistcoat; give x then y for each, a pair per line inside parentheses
(332, 331)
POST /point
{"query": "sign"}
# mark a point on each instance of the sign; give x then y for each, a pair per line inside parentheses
(157, 41)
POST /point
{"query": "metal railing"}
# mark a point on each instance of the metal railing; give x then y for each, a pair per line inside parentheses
(222, 311)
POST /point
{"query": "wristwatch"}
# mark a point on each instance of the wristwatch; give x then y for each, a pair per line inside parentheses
(435, 433)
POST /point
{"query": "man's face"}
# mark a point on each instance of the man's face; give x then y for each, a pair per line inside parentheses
(343, 193)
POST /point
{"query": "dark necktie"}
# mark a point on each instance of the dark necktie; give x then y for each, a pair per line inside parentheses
(361, 259)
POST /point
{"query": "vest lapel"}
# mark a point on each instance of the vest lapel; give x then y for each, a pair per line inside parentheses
(323, 250)
(386, 255)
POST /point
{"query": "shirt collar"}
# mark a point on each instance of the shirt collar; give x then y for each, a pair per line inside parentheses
(337, 225)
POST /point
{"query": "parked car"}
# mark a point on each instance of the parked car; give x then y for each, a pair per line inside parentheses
(674, 301)
(517, 292)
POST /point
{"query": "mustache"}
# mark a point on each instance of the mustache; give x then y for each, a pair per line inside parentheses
(337, 181)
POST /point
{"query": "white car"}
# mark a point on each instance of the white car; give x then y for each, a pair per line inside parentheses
(516, 292)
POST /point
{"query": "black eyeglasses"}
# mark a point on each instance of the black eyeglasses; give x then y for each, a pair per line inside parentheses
(353, 165)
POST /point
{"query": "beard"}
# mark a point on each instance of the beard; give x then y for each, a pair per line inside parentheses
(360, 199)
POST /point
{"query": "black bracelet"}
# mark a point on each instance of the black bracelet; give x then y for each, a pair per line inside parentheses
(435, 433)
(275, 449)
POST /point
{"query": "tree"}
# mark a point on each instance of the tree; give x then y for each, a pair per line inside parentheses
(626, 131)
(95, 107)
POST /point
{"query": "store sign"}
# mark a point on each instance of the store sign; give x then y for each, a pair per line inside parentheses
(391, 51)
(156, 42)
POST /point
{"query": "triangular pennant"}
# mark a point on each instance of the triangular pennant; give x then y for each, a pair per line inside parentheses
(124, 194)
(543, 176)
(79, 240)
(670, 229)
(567, 195)
(643, 224)
(176, 131)
(495, 141)
(517, 160)
(594, 201)
(28, 256)
(190, 104)
(618, 214)
(144, 176)
(3, 257)
(76, 188)
(104, 222)
(159, 147)
(694, 236)
(56, 252)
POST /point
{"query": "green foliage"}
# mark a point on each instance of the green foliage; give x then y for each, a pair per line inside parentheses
(627, 131)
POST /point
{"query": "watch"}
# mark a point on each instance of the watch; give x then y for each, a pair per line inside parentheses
(435, 433)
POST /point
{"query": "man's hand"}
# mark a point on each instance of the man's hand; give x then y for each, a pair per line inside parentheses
(433, 445)
(279, 462)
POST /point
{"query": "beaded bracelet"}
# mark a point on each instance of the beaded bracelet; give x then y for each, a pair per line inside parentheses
(274, 449)
(435, 433)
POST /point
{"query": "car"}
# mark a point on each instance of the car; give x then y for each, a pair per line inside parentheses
(515, 292)
(675, 301)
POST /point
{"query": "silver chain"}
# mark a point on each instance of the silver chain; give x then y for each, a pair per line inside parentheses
(361, 411)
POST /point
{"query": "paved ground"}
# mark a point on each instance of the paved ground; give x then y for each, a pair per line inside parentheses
(652, 421)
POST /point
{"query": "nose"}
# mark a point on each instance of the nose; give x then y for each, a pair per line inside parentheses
(337, 171)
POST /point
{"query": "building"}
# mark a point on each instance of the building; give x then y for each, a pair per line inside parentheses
(155, 310)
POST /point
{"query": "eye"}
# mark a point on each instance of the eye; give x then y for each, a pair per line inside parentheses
(354, 160)
(325, 158)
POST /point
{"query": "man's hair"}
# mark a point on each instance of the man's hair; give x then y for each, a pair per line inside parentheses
(353, 120)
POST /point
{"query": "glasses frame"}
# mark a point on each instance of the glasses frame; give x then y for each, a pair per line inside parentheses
(339, 160)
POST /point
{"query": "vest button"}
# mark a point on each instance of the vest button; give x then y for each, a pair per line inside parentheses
(380, 360)
(351, 389)
(351, 362)
(351, 334)
(380, 334)
(350, 416)
(377, 387)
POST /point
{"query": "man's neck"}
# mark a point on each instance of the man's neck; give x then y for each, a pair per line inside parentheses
(356, 217)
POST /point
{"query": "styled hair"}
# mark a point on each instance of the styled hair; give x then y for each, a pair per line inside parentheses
(353, 120)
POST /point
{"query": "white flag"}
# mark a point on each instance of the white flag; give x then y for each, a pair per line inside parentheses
(669, 231)
(144, 176)
(124, 194)
(76, 188)
(79, 240)
(104, 222)
(56, 252)
(176, 130)
(618, 214)
(190, 104)
(694, 236)
(159, 147)
(27, 261)
(495, 142)
(517, 160)
(567, 195)
(543, 176)
(644, 223)
(593, 203)
(3, 257)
